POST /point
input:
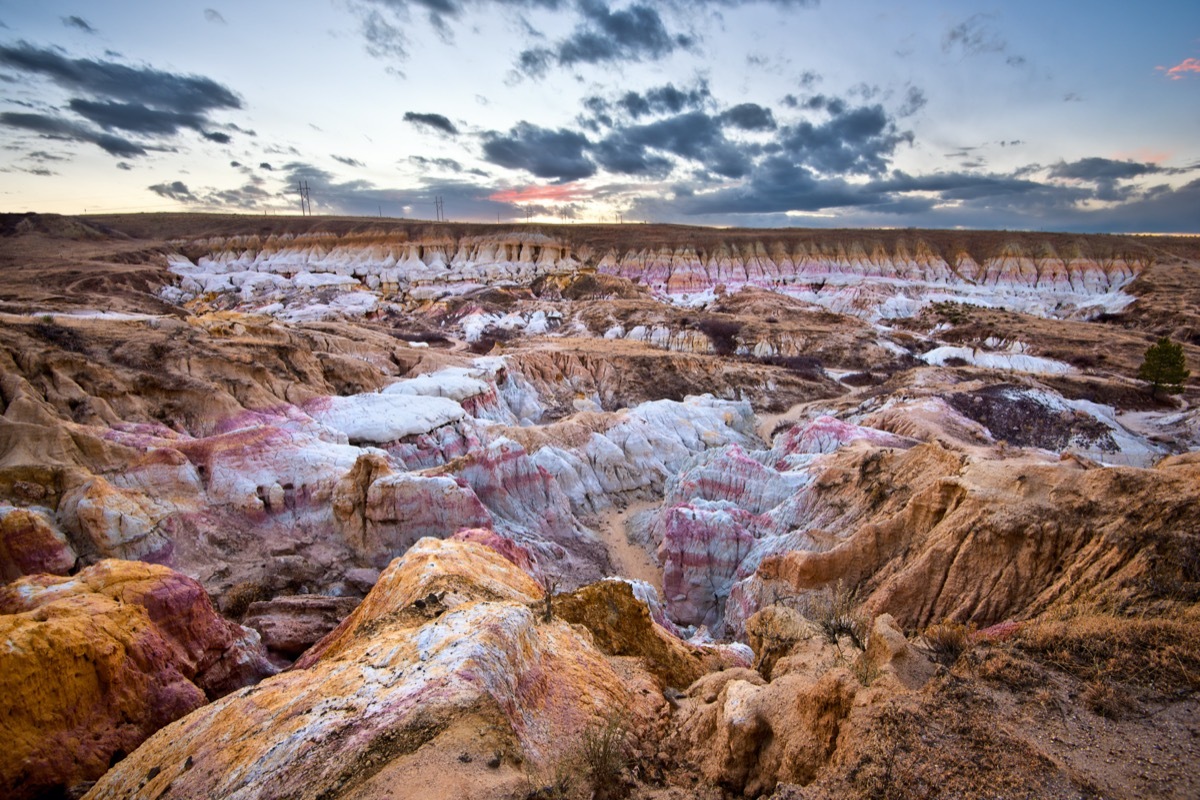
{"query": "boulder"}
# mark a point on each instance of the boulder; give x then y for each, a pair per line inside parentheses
(31, 544)
(98, 662)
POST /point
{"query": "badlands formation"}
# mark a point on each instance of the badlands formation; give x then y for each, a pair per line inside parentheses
(347, 508)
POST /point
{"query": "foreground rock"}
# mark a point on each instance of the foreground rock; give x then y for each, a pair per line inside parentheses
(96, 663)
(445, 682)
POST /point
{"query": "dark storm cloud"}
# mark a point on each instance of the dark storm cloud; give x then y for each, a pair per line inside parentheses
(58, 128)
(1093, 169)
(665, 99)
(1106, 174)
(857, 141)
(139, 100)
(636, 33)
(145, 85)
(820, 102)
(135, 117)
(615, 155)
(79, 23)
(265, 165)
(694, 135)
(955, 186)
(349, 162)
(125, 165)
(778, 185)
(749, 117)
(557, 154)
(436, 121)
(176, 190)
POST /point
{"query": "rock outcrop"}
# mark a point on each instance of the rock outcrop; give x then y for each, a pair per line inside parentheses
(443, 682)
(96, 663)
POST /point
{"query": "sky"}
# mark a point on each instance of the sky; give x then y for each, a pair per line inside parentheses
(1046, 115)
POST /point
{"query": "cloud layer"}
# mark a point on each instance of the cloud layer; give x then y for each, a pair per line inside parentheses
(140, 102)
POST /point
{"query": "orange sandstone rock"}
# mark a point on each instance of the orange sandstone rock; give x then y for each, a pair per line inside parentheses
(94, 664)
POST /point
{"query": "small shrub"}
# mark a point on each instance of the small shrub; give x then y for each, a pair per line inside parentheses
(595, 769)
(864, 669)
(605, 758)
(1106, 700)
(722, 333)
(837, 615)
(945, 643)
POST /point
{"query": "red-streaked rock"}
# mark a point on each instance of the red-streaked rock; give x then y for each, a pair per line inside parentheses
(382, 513)
(96, 663)
(30, 544)
(827, 434)
(291, 624)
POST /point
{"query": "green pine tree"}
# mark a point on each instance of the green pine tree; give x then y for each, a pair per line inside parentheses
(1164, 367)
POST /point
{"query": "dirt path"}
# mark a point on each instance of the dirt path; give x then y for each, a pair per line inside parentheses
(629, 560)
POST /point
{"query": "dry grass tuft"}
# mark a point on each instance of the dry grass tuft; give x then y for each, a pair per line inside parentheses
(946, 642)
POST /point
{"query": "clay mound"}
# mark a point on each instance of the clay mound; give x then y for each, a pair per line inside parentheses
(443, 684)
(98, 662)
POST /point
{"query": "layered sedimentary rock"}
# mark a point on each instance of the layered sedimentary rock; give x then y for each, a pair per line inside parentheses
(290, 625)
(835, 501)
(847, 275)
(444, 669)
(97, 662)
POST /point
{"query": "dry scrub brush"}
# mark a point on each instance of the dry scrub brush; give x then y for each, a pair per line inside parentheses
(946, 642)
(597, 767)
(836, 612)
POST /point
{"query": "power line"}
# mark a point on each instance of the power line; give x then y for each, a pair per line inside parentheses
(439, 208)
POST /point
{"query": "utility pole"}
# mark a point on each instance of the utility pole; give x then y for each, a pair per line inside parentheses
(439, 208)
(305, 199)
